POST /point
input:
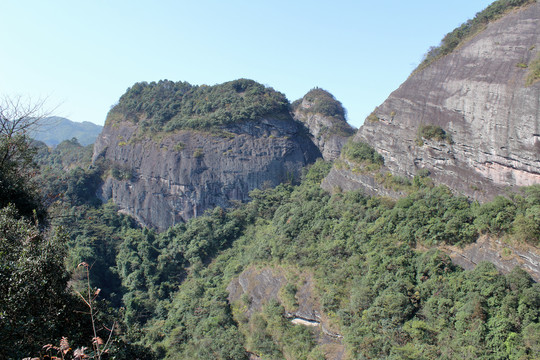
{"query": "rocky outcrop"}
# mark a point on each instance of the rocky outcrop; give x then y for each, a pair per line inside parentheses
(174, 176)
(478, 97)
(504, 256)
(324, 116)
(344, 178)
(254, 288)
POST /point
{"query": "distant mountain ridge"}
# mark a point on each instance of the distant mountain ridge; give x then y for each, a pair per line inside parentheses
(53, 130)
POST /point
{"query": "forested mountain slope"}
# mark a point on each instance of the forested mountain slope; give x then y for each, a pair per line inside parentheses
(303, 267)
(53, 130)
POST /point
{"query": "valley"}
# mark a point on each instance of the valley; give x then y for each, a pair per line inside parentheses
(227, 222)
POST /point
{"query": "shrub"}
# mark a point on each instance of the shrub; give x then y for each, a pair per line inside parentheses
(179, 147)
(372, 117)
(534, 72)
(198, 153)
(361, 152)
(121, 172)
(433, 132)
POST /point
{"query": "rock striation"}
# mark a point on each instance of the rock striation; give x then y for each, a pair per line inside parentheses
(477, 97)
(176, 176)
(324, 116)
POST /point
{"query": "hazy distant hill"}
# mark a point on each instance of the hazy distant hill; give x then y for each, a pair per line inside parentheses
(55, 129)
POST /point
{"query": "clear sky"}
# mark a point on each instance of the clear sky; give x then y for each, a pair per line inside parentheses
(83, 55)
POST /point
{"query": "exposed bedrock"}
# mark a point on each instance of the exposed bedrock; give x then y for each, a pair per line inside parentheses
(177, 176)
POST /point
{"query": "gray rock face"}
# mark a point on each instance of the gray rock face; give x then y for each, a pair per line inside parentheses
(182, 174)
(477, 94)
(505, 257)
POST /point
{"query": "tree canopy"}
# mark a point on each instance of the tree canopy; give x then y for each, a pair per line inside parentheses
(167, 106)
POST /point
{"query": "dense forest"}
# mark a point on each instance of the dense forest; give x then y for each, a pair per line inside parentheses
(378, 275)
(168, 105)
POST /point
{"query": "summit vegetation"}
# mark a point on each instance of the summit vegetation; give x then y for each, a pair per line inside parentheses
(321, 102)
(167, 105)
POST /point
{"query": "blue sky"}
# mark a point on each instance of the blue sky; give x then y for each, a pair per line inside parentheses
(83, 55)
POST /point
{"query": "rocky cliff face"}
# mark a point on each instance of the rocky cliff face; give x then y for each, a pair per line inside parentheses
(504, 256)
(324, 116)
(172, 177)
(477, 96)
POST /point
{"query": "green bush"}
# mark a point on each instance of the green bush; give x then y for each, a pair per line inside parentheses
(121, 171)
(433, 132)
(361, 152)
(534, 71)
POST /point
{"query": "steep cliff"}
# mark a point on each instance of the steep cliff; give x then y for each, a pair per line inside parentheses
(168, 175)
(471, 117)
(324, 116)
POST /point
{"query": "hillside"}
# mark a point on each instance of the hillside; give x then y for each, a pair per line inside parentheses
(53, 130)
(167, 106)
(298, 273)
(205, 222)
(468, 116)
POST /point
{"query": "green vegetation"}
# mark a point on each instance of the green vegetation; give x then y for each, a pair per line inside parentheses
(35, 304)
(372, 117)
(534, 71)
(322, 102)
(432, 132)
(384, 297)
(361, 153)
(168, 106)
(470, 28)
(168, 291)
(198, 153)
(179, 147)
(121, 172)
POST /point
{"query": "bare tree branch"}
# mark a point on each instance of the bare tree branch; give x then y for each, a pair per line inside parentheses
(19, 115)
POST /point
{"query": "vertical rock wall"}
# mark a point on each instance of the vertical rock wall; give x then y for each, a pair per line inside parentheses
(175, 176)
